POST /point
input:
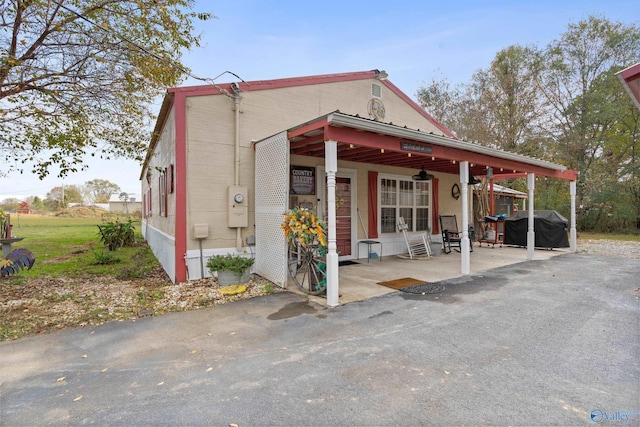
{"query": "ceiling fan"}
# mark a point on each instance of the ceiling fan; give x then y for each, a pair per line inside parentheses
(423, 175)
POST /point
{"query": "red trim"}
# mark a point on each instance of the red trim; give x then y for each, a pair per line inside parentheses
(418, 108)
(180, 114)
(274, 84)
(435, 224)
(372, 216)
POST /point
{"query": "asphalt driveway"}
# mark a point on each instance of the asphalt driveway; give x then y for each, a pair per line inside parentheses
(553, 342)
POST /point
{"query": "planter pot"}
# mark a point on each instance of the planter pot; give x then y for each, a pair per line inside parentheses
(227, 277)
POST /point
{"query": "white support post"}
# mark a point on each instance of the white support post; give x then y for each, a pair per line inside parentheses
(331, 166)
(573, 243)
(465, 254)
(531, 236)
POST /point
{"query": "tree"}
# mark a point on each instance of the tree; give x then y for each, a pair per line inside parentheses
(59, 197)
(78, 77)
(100, 190)
(589, 111)
(9, 204)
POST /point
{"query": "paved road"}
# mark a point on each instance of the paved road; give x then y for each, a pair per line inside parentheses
(536, 343)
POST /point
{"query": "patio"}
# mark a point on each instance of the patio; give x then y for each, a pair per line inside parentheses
(360, 281)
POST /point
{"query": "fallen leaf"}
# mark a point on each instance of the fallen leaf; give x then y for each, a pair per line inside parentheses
(84, 356)
(61, 379)
(160, 383)
(194, 351)
(447, 372)
(105, 370)
(78, 398)
(209, 369)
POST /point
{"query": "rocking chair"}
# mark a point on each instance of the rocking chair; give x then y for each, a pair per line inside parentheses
(451, 236)
(418, 246)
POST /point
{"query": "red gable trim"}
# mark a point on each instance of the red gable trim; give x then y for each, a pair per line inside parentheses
(202, 90)
(418, 108)
(220, 89)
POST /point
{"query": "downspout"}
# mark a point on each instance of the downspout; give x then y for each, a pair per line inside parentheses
(236, 168)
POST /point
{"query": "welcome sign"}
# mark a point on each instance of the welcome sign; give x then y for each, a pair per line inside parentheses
(303, 180)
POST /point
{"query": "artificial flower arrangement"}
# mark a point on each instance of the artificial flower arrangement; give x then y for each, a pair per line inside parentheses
(301, 225)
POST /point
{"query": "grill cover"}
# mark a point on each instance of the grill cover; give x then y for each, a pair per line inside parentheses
(550, 228)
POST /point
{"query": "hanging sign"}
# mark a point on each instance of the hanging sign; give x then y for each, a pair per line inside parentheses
(416, 148)
(303, 180)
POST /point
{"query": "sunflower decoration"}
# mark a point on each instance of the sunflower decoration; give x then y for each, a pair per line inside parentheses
(301, 225)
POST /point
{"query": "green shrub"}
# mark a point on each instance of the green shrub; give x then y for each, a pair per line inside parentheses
(236, 263)
(117, 234)
(105, 258)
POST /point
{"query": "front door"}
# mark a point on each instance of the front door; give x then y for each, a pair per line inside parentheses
(345, 211)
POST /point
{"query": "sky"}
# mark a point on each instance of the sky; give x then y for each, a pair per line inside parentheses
(413, 41)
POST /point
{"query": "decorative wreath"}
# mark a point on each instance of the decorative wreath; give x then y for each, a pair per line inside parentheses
(302, 226)
(455, 191)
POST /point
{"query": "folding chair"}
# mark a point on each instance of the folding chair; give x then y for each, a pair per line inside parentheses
(451, 236)
(418, 246)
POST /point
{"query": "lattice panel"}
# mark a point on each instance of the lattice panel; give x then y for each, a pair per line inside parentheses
(272, 189)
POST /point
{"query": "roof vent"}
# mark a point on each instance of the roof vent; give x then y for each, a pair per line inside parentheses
(376, 90)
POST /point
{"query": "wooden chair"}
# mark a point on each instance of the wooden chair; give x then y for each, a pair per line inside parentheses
(418, 246)
(451, 236)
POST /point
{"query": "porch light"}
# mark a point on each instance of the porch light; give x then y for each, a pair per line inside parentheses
(382, 150)
(453, 161)
(408, 154)
(350, 145)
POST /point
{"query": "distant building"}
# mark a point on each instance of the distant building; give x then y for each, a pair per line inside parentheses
(123, 202)
(24, 208)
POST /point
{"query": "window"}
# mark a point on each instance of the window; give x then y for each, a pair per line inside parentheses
(163, 195)
(401, 197)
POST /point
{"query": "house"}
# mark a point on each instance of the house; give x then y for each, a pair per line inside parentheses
(227, 160)
(630, 79)
(24, 208)
(124, 202)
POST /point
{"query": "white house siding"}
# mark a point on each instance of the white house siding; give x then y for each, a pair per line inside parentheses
(163, 247)
(159, 231)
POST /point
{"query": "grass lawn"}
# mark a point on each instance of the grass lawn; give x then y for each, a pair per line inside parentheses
(71, 247)
(76, 281)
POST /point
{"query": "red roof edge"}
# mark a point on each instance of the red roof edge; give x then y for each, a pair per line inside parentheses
(219, 89)
(419, 109)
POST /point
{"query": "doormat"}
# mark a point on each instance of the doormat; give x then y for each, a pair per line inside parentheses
(401, 283)
(347, 262)
(424, 289)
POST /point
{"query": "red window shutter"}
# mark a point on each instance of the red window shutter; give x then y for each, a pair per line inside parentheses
(435, 221)
(372, 217)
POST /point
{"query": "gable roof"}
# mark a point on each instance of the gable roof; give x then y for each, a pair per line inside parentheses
(630, 79)
(257, 85)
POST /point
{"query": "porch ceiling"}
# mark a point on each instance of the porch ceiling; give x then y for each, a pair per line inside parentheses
(369, 141)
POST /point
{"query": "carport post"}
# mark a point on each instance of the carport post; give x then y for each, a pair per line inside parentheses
(531, 236)
(465, 256)
(573, 235)
(331, 166)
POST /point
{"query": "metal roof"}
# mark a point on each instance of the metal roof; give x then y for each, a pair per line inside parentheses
(370, 141)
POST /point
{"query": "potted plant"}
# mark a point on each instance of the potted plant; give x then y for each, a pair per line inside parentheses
(232, 269)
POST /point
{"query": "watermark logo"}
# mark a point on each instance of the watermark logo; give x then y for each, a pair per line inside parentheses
(598, 415)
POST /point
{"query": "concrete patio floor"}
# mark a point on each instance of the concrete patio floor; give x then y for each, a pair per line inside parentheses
(360, 281)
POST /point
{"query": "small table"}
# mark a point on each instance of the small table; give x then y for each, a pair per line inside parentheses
(6, 244)
(369, 243)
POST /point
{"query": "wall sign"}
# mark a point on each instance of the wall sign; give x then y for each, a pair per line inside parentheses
(417, 148)
(303, 180)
